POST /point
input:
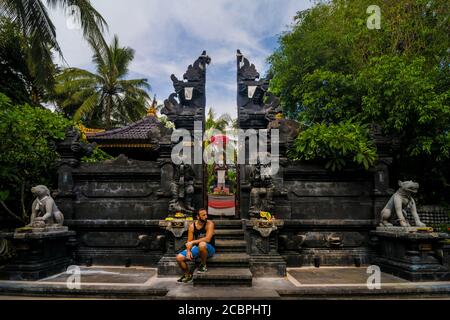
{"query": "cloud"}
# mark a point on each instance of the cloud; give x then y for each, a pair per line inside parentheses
(168, 35)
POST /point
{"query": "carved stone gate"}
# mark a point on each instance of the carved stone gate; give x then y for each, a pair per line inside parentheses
(117, 207)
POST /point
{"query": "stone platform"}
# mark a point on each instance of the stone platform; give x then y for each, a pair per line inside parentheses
(224, 277)
(40, 252)
(410, 254)
(103, 282)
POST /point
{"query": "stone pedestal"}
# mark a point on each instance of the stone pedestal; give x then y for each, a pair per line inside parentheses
(39, 253)
(176, 235)
(446, 253)
(410, 254)
(262, 245)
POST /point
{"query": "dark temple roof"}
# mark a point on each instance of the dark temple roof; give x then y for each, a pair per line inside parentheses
(138, 132)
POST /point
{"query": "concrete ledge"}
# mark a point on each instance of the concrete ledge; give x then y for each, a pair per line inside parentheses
(90, 223)
(224, 277)
(39, 289)
(406, 290)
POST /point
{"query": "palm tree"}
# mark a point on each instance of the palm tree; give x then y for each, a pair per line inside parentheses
(33, 21)
(105, 98)
(220, 123)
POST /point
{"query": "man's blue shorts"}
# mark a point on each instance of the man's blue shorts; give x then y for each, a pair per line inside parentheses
(195, 251)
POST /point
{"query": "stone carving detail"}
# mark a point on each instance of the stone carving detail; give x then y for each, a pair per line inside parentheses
(182, 189)
(257, 106)
(288, 129)
(71, 150)
(399, 203)
(262, 245)
(172, 106)
(262, 191)
(189, 96)
(196, 71)
(175, 227)
(149, 242)
(292, 241)
(335, 241)
(272, 106)
(159, 134)
(246, 70)
(265, 229)
(44, 211)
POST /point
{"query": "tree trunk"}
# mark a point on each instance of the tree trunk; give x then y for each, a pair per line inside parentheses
(108, 112)
(10, 212)
(22, 200)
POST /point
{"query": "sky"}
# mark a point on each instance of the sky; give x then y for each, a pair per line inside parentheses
(168, 35)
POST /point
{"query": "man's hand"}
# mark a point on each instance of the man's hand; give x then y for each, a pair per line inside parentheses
(189, 244)
(189, 255)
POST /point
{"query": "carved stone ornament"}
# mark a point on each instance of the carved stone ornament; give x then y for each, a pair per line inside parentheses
(189, 96)
(176, 227)
(246, 70)
(265, 227)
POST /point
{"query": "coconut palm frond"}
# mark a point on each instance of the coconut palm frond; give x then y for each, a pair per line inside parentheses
(88, 105)
(119, 100)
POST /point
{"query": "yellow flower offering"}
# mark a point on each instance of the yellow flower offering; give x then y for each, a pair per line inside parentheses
(266, 215)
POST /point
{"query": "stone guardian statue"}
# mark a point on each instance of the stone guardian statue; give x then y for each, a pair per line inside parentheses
(261, 194)
(400, 202)
(44, 211)
(182, 189)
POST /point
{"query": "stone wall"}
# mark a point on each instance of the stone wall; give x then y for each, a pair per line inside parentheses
(327, 216)
(112, 205)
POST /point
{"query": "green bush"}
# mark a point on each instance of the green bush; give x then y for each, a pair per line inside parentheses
(337, 77)
(336, 144)
(27, 153)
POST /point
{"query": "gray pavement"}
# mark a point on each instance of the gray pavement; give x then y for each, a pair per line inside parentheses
(105, 282)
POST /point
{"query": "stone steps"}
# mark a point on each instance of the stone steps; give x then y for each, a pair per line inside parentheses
(228, 224)
(231, 245)
(229, 234)
(230, 266)
(223, 277)
(229, 260)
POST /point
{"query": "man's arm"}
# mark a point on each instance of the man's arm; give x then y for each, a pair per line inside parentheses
(190, 237)
(209, 234)
(191, 232)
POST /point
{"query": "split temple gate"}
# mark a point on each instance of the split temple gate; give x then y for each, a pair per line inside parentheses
(124, 211)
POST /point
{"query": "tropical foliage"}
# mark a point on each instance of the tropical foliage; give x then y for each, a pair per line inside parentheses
(30, 79)
(19, 77)
(103, 99)
(219, 125)
(339, 79)
(27, 156)
(336, 144)
(38, 34)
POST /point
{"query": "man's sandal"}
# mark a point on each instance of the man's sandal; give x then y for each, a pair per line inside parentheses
(185, 278)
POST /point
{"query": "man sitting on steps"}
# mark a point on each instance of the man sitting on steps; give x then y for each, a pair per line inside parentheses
(200, 243)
